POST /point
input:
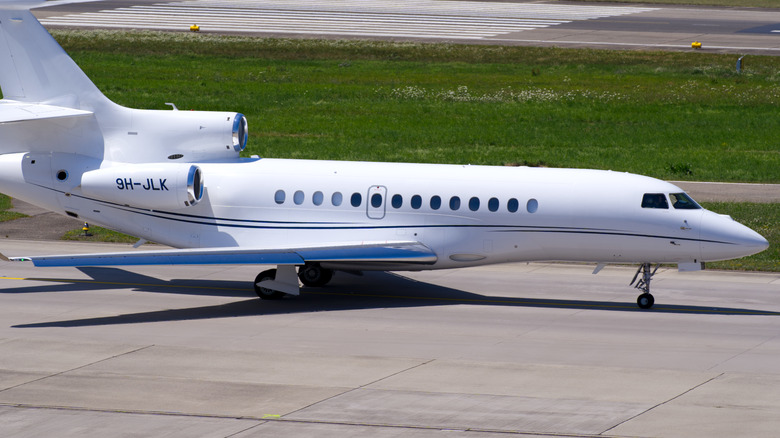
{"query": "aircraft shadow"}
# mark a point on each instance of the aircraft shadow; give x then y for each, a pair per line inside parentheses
(114, 278)
(374, 290)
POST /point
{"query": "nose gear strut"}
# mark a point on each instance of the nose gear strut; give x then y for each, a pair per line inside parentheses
(645, 300)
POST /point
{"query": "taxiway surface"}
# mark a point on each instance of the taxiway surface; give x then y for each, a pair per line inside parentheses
(545, 349)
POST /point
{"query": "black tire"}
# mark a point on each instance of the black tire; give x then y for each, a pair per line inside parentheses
(314, 275)
(265, 293)
(645, 301)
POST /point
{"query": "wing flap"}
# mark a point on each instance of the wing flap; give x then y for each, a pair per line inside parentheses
(385, 252)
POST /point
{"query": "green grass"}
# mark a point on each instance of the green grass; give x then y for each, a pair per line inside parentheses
(99, 234)
(669, 115)
(5, 205)
(764, 219)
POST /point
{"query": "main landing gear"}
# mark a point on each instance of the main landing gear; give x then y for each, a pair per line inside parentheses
(263, 292)
(645, 300)
(311, 275)
(314, 275)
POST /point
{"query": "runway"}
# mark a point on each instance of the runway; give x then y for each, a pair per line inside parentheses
(538, 23)
(459, 20)
(522, 349)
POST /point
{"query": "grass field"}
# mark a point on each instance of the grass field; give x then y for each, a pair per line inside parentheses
(669, 115)
(5, 205)
(99, 234)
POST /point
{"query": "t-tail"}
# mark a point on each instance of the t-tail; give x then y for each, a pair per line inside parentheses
(50, 105)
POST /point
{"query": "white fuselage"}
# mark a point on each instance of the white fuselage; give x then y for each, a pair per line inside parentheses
(504, 214)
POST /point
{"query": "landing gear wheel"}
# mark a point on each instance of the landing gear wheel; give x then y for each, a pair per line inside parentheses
(645, 301)
(263, 292)
(314, 275)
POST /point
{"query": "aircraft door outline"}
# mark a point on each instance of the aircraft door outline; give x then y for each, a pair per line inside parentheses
(376, 205)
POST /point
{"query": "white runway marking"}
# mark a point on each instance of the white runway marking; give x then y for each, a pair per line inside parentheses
(388, 18)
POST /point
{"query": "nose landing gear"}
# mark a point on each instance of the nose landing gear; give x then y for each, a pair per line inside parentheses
(645, 300)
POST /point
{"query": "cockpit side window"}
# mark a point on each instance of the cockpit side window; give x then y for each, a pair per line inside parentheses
(681, 201)
(654, 200)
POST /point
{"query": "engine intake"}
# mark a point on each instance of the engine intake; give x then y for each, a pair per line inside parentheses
(150, 186)
(240, 132)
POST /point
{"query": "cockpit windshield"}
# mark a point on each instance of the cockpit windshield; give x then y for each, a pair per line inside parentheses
(654, 200)
(682, 201)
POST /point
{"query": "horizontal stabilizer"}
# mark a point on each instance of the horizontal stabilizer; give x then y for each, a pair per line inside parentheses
(34, 4)
(385, 252)
(19, 112)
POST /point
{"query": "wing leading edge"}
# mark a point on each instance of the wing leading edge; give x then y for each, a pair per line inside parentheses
(372, 253)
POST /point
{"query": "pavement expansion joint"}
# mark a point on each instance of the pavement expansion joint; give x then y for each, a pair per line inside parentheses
(272, 418)
(689, 390)
(59, 373)
(743, 352)
(351, 390)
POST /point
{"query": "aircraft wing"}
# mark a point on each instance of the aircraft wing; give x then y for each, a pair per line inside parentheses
(11, 111)
(370, 252)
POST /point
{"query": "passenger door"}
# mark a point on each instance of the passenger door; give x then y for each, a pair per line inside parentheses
(376, 202)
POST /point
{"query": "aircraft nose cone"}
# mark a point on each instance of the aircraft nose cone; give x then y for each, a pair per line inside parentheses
(724, 238)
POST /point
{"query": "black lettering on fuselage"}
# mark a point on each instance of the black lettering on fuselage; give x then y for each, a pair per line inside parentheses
(150, 184)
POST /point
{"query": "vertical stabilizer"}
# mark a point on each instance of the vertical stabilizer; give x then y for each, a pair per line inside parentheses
(34, 68)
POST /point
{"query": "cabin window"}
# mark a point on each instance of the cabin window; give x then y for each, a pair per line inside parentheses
(336, 199)
(532, 205)
(474, 204)
(454, 203)
(493, 204)
(317, 198)
(512, 205)
(298, 197)
(416, 201)
(376, 200)
(435, 203)
(681, 201)
(356, 199)
(397, 201)
(654, 200)
(279, 197)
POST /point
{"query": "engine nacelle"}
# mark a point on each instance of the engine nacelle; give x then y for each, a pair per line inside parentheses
(145, 136)
(150, 186)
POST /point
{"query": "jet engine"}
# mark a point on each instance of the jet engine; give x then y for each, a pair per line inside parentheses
(150, 186)
(187, 136)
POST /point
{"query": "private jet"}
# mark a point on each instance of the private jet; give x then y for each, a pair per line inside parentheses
(178, 178)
